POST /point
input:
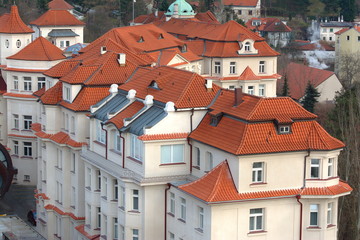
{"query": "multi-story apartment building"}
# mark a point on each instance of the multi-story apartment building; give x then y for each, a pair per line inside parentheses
(328, 29)
(244, 9)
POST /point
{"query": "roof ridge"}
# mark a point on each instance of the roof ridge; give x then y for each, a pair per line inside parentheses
(219, 178)
(242, 142)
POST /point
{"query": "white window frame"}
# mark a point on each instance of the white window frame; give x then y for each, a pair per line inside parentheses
(59, 163)
(16, 82)
(251, 90)
(201, 218)
(27, 149)
(314, 211)
(209, 161)
(330, 211)
(18, 43)
(135, 200)
(247, 46)
(198, 157)
(100, 133)
(232, 67)
(27, 122)
(256, 222)
(116, 228)
(137, 146)
(73, 163)
(73, 197)
(27, 83)
(173, 156)
(331, 162)
(104, 187)
(122, 198)
(262, 67)
(122, 232)
(172, 203)
(115, 189)
(183, 209)
(261, 90)
(117, 142)
(16, 147)
(41, 82)
(284, 129)
(98, 217)
(72, 125)
(315, 164)
(258, 172)
(16, 121)
(135, 234)
(217, 67)
(67, 93)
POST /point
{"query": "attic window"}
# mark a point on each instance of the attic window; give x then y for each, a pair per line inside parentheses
(185, 11)
(184, 48)
(277, 23)
(154, 85)
(247, 46)
(284, 129)
(141, 39)
(161, 36)
(214, 121)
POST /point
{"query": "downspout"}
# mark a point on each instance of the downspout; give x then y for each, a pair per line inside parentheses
(106, 141)
(165, 212)
(123, 150)
(188, 140)
(298, 197)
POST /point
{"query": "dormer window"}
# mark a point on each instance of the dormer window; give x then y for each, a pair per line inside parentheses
(284, 129)
(67, 94)
(184, 48)
(214, 121)
(141, 40)
(154, 85)
(247, 46)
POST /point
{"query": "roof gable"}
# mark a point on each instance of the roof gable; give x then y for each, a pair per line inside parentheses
(59, 5)
(248, 74)
(39, 50)
(12, 23)
(57, 18)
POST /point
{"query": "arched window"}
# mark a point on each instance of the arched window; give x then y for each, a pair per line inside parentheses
(247, 46)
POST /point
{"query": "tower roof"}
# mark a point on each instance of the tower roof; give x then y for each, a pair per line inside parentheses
(12, 23)
(57, 18)
(39, 50)
(59, 5)
(184, 8)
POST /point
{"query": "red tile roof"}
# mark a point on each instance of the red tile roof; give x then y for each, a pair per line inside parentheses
(165, 136)
(12, 23)
(59, 5)
(311, 46)
(57, 18)
(243, 3)
(87, 97)
(53, 95)
(185, 89)
(207, 16)
(268, 25)
(298, 76)
(18, 95)
(24, 70)
(56, 209)
(150, 18)
(248, 74)
(62, 68)
(218, 186)
(39, 50)
(129, 111)
(20, 136)
(41, 195)
(81, 229)
(39, 92)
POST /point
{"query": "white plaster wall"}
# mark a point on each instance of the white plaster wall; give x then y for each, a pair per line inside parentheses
(34, 65)
(5, 52)
(79, 30)
(328, 89)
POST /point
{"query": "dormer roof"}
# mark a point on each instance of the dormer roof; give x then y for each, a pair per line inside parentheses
(59, 5)
(12, 23)
(248, 74)
(39, 50)
(57, 18)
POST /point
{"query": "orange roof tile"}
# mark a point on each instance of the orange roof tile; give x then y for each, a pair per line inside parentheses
(185, 89)
(243, 3)
(248, 74)
(41, 195)
(24, 70)
(165, 136)
(12, 23)
(59, 211)
(218, 186)
(87, 97)
(128, 112)
(62, 68)
(39, 50)
(39, 92)
(298, 76)
(59, 5)
(81, 229)
(207, 16)
(57, 18)
(18, 95)
(53, 95)
(268, 25)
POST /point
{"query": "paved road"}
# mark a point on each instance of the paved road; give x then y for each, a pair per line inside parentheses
(18, 201)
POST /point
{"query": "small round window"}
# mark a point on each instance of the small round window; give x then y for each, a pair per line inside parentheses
(7, 43)
(18, 43)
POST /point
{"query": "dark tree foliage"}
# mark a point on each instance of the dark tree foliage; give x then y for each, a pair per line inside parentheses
(310, 98)
(348, 9)
(42, 5)
(285, 89)
(331, 6)
(164, 5)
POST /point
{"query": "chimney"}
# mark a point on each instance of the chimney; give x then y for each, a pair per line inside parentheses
(169, 107)
(113, 89)
(149, 100)
(238, 96)
(122, 59)
(103, 50)
(209, 83)
(131, 94)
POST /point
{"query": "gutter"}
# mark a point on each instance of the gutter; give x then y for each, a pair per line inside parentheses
(123, 150)
(165, 212)
(106, 141)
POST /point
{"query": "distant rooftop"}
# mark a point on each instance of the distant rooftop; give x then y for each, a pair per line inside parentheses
(336, 24)
(19, 228)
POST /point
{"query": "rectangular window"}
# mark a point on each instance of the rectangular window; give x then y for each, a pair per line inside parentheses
(16, 121)
(239, 12)
(122, 198)
(315, 168)
(135, 234)
(16, 82)
(59, 162)
(330, 167)
(73, 163)
(27, 122)
(116, 229)
(27, 83)
(262, 67)
(59, 192)
(115, 189)
(73, 196)
(331, 30)
(98, 179)
(314, 211)
(27, 178)
(256, 219)
(358, 38)
(117, 142)
(250, 12)
(324, 30)
(104, 188)
(183, 209)
(67, 43)
(98, 217)
(329, 214)
(171, 236)
(67, 93)
(16, 147)
(232, 67)
(172, 203)
(217, 68)
(197, 152)
(201, 218)
(251, 90)
(72, 125)
(330, 38)
(261, 90)
(122, 232)
(258, 172)
(27, 149)
(88, 211)
(172, 153)
(135, 200)
(88, 179)
(100, 133)
(41, 82)
(209, 161)
(62, 44)
(284, 129)
(348, 38)
(136, 148)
